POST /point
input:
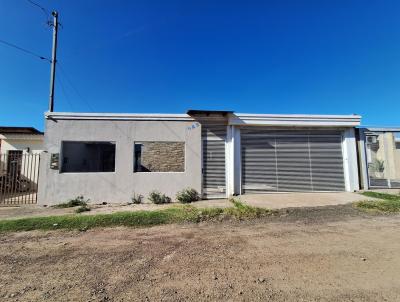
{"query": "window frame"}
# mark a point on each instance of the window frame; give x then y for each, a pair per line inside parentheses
(61, 157)
(158, 141)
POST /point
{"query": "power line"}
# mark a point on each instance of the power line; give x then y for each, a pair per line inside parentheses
(24, 50)
(64, 73)
(44, 10)
(58, 79)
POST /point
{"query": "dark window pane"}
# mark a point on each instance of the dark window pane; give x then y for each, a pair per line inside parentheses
(88, 157)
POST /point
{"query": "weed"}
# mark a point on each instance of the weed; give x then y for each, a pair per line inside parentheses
(242, 211)
(78, 201)
(187, 195)
(81, 209)
(158, 198)
(137, 199)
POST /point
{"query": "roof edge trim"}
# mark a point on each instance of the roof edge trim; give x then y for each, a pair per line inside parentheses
(117, 116)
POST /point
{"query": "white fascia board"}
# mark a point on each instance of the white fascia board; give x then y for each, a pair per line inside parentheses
(295, 120)
(118, 116)
(31, 137)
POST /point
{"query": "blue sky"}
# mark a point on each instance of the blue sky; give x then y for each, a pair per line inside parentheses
(317, 57)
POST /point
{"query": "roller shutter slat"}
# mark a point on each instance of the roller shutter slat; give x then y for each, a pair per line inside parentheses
(213, 137)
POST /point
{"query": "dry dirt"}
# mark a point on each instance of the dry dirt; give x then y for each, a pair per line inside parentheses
(329, 254)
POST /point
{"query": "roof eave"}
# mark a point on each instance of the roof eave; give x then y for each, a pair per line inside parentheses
(295, 120)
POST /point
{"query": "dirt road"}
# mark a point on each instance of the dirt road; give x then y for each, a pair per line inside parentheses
(309, 257)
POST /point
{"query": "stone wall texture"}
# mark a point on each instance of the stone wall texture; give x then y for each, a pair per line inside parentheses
(163, 156)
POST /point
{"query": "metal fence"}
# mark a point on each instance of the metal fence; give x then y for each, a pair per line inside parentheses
(19, 177)
(383, 159)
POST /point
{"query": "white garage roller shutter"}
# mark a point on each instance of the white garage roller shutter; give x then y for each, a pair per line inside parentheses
(289, 161)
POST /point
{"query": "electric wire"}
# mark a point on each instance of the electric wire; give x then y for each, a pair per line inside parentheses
(44, 10)
(24, 50)
(64, 91)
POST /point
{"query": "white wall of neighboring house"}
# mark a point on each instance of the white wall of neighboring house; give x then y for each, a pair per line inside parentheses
(33, 143)
(30, 145)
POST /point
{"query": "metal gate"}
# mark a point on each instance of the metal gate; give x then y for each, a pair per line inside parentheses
(288, 161)
(383, 158)
(19, 176)
(214, 178)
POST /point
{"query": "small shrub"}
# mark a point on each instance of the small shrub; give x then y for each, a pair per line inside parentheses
(81, 209)
(187, 195)
(78, 201)
(137, 199)
(158, 198)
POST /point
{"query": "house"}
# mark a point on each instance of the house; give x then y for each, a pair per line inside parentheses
(20, 149)
(111, 157)
(380, 154)
(22, 139)
(15, 144)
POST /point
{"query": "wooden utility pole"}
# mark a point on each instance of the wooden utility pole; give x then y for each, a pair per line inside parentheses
(53, 60)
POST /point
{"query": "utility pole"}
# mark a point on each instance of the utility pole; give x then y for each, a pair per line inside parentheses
(53, 60)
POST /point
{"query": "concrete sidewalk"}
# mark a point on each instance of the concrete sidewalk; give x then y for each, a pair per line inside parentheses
(296, 199)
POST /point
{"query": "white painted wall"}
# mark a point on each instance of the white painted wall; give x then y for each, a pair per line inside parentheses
(350, 163)
(30, 164)
(118, 186)
(35, 144)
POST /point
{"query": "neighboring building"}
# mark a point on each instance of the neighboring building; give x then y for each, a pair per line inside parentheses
(380, 154)
(111, 157)
(25, 139)
(20, 149)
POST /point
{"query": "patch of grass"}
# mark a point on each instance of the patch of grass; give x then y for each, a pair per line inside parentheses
(390, 206)
(175, 214)
(378, 195)
(78, 201)
(389, 203)
(243, 211)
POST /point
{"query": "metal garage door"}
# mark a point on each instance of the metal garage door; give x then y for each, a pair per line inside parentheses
(214, 183)
(287, 161)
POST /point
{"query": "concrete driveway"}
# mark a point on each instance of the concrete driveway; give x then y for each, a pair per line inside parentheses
(296, 199)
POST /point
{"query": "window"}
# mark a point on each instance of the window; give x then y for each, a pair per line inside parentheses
(397, 139)
(159, 157)
(88, 157)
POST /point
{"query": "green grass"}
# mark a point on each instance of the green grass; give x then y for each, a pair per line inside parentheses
(175, 214)
(378, 195)
(243, 211)
(389, 203)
